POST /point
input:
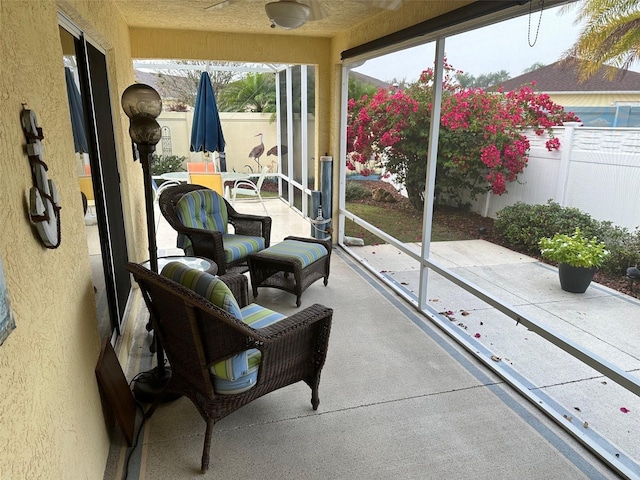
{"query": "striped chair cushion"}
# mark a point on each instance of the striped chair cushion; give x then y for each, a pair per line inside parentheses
(224, 381)
(305, 252)
(204, 284)
(239, 246)
(203, 209)
(238, 373)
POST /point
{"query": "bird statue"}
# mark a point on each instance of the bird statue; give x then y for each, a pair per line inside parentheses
(257, 151)
(274, 150)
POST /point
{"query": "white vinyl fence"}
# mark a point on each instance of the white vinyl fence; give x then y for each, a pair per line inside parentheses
(596, 170)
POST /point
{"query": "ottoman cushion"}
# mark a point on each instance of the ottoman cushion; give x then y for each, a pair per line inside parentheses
(305, 252)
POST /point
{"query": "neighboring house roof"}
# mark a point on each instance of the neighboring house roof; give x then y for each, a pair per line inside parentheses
(370, 80)
(562, 76)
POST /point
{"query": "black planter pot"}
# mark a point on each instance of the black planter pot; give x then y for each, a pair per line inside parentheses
(575, 279)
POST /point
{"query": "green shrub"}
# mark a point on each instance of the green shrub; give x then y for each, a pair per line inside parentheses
(356, 191)
(523, 225)
(624, 248)
(575, 249)
(167, 163)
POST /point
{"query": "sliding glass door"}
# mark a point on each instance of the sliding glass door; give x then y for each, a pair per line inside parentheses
(98, 176)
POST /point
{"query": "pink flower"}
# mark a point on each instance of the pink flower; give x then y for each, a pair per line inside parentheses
(624, 410)
(481, 134)
(490, 156)
(553, 144)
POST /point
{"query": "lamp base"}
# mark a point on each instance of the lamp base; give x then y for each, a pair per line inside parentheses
(149, 385)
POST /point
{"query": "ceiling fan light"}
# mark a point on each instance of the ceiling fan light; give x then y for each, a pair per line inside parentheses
(287, 14)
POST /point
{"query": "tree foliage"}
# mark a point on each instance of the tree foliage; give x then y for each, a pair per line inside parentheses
(485, 80)
(611, 36)
(182, 84)
(359, 88)
(535, 66)
(481, 146)
(254, 93)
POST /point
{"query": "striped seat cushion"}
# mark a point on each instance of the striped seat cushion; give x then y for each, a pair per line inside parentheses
(305, 252)
(224, 381)
(238, 373)
(239, 246)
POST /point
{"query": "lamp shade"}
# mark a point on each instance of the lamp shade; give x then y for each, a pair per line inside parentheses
(287, 14)
(144, 130)
(141, 99)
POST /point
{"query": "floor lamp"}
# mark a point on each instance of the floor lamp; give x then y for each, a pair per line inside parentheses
(142, 104)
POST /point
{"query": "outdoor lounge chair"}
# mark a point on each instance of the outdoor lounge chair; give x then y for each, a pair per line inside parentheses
(225, 353)
(202, 217)
(249, 188)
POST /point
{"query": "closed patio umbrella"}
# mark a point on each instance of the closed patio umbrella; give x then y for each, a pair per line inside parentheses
(77, 114)
(206, 131)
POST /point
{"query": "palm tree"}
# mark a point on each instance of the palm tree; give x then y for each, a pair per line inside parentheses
(534, 67)
(254, 93)
(611, 36)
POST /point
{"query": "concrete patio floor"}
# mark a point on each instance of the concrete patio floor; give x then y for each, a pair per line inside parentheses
(602, 320)
(398, 397)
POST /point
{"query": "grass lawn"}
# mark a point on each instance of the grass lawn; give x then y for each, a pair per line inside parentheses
(401, 223)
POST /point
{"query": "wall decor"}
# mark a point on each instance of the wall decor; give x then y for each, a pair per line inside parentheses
(44, 204)
(7, 321)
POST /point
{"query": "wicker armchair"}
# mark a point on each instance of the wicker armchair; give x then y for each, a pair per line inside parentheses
(214, 242)
(197, 336)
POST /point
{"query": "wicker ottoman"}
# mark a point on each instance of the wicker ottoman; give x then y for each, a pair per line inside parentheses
(291, 265)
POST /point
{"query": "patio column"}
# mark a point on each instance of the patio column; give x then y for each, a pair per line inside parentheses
(430, 181)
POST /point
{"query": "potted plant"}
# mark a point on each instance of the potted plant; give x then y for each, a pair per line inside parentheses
(577, 258)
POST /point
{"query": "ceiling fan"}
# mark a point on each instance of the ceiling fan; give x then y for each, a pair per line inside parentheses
(290, 14)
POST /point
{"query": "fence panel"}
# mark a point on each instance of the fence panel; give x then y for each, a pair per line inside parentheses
(596, 170)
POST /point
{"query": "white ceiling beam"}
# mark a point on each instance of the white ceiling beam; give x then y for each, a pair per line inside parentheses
(262, 68)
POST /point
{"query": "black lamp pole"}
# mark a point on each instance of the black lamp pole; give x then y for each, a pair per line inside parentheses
(145, 158)
(142, 104)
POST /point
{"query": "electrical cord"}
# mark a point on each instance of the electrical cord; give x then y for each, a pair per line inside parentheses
(135, 444)
(140, 377)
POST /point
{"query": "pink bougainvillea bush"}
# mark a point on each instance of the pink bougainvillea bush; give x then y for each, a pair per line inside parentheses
(481, 145)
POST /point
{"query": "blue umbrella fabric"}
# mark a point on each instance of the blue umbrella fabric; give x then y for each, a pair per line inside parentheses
(206, 131)
(77, 114)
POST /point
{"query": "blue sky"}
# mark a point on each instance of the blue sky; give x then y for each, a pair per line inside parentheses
(503, 46)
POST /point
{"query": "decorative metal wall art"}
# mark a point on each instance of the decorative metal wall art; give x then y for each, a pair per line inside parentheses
(44, 204)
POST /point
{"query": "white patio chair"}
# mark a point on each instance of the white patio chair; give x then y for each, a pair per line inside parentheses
(249, 188)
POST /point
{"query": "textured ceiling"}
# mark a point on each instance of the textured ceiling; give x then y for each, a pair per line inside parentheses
(241, 16)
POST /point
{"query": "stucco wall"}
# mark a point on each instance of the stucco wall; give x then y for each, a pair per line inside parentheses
(51, 420)
(240, 131)
(198, 45)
